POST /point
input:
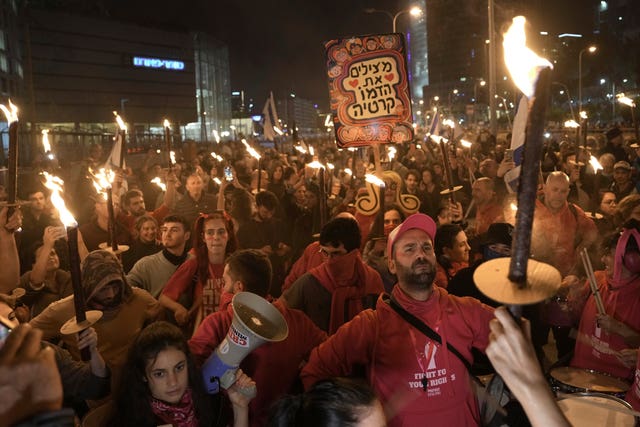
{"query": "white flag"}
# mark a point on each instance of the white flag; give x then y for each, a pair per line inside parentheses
(271, 121)
(517, 144)
(113, 161)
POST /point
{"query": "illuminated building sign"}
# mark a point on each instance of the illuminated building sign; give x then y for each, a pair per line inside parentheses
(158, 63)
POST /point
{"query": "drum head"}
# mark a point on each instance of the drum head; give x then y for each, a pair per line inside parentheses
(581, 410)
(588, 380)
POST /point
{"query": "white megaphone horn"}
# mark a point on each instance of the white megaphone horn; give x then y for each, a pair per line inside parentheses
(255, 322)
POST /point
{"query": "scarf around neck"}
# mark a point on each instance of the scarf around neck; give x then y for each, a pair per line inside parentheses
(181, 414)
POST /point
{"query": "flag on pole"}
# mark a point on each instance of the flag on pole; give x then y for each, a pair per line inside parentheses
(434, 129)
(517, 144)
(271, 121)
(113, 161)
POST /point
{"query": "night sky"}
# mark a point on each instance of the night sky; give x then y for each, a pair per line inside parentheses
(277, 44)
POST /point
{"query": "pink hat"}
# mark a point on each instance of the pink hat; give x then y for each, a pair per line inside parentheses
(418, 220)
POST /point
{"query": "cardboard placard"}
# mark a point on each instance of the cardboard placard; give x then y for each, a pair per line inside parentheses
(369, 90)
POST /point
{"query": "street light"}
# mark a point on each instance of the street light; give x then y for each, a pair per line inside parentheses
(589, 49)
(566, 89)
(475, 89)
(414, 11)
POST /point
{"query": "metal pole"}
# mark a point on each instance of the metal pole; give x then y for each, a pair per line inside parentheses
(493, 124)
(580, 80)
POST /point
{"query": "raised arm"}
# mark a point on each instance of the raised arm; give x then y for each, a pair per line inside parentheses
(9, 259)
(513, 357)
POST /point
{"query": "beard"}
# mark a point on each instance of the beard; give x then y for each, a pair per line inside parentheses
(417, 280)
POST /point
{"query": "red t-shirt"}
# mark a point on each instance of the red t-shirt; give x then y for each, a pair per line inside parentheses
(397, 357)
(210, 291)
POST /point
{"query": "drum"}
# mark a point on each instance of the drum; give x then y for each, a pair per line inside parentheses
(596, 409)
(575, 380)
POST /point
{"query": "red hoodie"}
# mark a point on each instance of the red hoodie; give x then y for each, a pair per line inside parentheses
(595, 348)
(397, 357)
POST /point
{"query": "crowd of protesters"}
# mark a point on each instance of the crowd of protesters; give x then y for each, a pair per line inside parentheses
(338, 262)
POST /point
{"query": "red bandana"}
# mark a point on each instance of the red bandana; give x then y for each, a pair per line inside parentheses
(181, 414)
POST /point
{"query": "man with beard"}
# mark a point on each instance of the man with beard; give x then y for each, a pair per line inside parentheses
(153, 271)
(342, 286)
(125, 310)
(417, 379)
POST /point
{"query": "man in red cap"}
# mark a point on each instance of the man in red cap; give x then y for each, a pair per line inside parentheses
(417, 379)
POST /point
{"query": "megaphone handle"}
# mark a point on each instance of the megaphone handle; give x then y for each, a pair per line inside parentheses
(229, 379)
(249, 391)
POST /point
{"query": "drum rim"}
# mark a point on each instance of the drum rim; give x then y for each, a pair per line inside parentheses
(591, 371)
(626, 404)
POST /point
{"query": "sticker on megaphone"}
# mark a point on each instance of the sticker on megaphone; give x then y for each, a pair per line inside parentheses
(238, 337)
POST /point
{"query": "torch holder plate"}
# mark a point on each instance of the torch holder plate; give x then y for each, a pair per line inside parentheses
(492, 279)
(71, 326)
(451, 190)
(106, 247)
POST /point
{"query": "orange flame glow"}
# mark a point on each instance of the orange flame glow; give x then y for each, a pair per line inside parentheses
(55, 184)
(523, 64)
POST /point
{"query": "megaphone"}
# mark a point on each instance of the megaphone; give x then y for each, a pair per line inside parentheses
(255, 322)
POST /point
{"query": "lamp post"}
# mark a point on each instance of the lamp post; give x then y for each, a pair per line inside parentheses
(414, 11)
(475, 89)
(589, 49)
(566, 89)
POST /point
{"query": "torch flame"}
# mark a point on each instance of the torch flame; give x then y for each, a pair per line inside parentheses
(448, 122)
(252, 152)
(301, 149)
(166, 123)
(391, 152)
(45, 141)
(571, 124)
(216, 136)
(120, 121)
(523, 64)
(330, 166)
(513, 207)
(55, 184)
(10, 113)
(217, 180)
(583, 115)
(278, 131)
(172, 156)
(315, 165)
(465, 143)
(347, 170)
(622, 99)
(157, 181)
(374, 180)
(595, 164)
(102, 180)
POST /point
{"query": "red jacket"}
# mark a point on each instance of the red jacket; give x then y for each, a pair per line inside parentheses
(397, 357)
(595, 348)
(273, 366)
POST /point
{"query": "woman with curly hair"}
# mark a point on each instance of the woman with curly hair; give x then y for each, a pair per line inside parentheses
(162, 386)
(195, 289)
